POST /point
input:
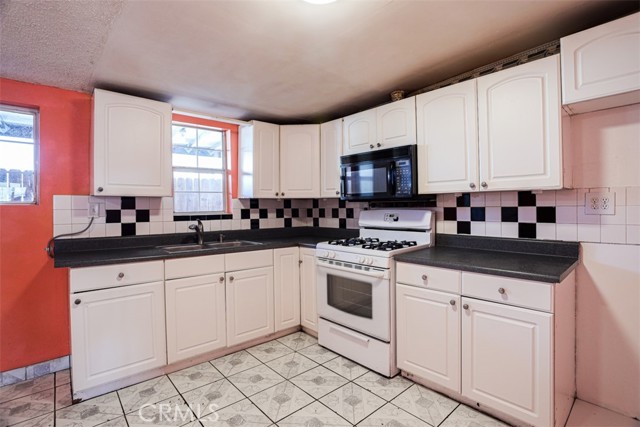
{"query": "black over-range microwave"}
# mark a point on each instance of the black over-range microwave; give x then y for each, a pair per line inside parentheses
(379, 175)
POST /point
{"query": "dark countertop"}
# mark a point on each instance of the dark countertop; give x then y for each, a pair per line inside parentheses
(539, 260)
(117, 250)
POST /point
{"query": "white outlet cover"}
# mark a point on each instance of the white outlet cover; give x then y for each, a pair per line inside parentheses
(600, 203)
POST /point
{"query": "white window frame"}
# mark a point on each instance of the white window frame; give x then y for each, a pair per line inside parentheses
(224, 170)
(36, 150)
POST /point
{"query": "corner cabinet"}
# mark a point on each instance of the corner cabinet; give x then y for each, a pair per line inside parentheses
(519, 127)
(127, 129)
(601, 66)
(308, 286)
(259, 160)
(286, 287)
(330, 152)
(503, 343)
(387, 126)
(300, 161)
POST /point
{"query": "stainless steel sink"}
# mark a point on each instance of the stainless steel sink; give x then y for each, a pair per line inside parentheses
(193, 247)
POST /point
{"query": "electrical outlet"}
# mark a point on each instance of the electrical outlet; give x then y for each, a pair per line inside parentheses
(600, 203)
(94, 210)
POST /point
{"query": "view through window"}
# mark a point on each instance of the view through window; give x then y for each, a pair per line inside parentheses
(18, 155)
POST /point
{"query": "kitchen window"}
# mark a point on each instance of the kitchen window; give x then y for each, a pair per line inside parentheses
(199, 156)
(19, 139)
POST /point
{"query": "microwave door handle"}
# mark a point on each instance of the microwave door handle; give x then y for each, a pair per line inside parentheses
(391, 178)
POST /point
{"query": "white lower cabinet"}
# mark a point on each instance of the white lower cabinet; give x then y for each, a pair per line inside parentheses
(116, 333)
(510, 349)
(286, 287)
(507, 359)
(308, 307)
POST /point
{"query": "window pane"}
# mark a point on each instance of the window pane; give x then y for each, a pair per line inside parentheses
(17, 157)
(185, 181)
(16, 125)
(210, 139)
(184, 157)
(211, 182)
(210, 159)
(211, 202)
(184, 135)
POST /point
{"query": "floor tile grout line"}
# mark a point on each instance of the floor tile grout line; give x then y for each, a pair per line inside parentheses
(449, 414)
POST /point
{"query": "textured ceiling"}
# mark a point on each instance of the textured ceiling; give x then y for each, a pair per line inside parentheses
(284, 61)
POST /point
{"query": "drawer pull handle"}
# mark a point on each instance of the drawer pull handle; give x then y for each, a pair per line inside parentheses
(501, 291)
(424, 277)
(221, 279)
(452, 302)
(465, 306)
(77, 302)
(120, 276)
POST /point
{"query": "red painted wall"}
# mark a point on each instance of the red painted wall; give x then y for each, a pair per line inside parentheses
(34, 313)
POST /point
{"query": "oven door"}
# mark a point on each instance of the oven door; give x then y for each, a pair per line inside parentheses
(356, 299)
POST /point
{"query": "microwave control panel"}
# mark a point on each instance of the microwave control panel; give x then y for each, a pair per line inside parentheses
(403, 178)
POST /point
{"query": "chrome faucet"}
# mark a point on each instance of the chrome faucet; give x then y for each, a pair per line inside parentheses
(199, 229)
(221, 237)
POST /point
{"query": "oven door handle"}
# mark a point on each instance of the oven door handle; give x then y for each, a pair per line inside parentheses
(372, 273)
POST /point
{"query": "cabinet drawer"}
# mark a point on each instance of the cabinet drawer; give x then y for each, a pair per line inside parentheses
(441, 279)
(247, 260)
(195, 266)
(523, 293)
(111, 276)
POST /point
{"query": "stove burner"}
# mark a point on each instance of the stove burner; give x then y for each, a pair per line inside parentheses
(390, 245)
(354, 241)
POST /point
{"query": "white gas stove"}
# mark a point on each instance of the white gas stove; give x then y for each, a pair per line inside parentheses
(356, 298)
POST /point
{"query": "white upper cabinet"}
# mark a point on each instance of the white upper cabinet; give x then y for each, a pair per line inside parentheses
(300, 161)
(359, 132)
(396, 124)
(448, 139)
(127, 129)
(601, 66)
(519, 127)
(259, 160)
(330, 152)
(388, 126)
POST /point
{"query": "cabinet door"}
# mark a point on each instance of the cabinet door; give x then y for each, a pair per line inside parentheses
(396, 123)
(195, 316)
(116, 333)
(602, 62)
(507, 360)
(428, 333)
(448, 139)
(519, 127)
(330, 152)
(300, 161)
(127, 129)
(259, 160)
(249, 296)
(359, 132)
(286, 287)
(308, 309)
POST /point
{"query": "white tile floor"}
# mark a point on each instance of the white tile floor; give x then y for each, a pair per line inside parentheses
(291, 381)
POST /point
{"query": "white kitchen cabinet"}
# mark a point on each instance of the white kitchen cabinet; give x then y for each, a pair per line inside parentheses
(507, 360)
(127, 129)
(601, 66)
(249, 295)
(115, 333)
(387, 126)
(428, 334)
(300, 161)
(195, 306)
(448, 139)
(330, 152)
(286, 287)
(308, 307)
(519, 127)
(259, 160)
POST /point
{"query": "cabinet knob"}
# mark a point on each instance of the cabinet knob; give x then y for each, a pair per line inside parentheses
(465, 306)
(282, 194)
(472, 185)
(371, 146)
(77, 302)
(337, 193)
(120, 276)
(276, 194)
(221, 279)
(424, 277)
(378, 145)
(501, 291)
(452, 302)
(100, 189)
(231, 278)
(483, 184)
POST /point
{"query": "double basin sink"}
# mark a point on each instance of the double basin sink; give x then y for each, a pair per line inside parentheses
(194, 247)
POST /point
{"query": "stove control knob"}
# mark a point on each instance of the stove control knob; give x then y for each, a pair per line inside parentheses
(361, 259)
(325, 254)
(369, 261)
(332, 255)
